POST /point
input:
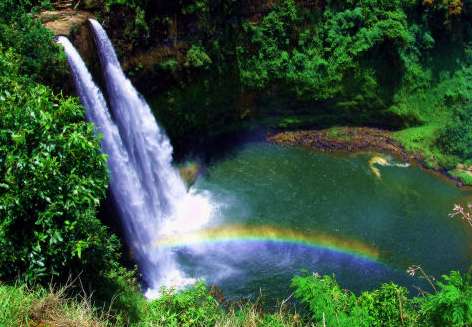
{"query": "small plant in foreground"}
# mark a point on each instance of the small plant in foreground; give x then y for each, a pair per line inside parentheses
(463, 212)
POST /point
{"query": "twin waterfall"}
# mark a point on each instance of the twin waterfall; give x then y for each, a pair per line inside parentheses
(150, 196)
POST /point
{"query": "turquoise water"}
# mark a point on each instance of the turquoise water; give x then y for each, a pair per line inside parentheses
(403, 215)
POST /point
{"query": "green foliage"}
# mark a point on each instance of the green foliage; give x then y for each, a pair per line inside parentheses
(52, 179)
(456, 138)
(14, 304)
(388, 306)
(197, 57)
(329, 304)
(351, 50)
(192, 307)
(443, 114)
(451, 305)
(323, 300)
(40, 58)
(196, 6)
(464, 177)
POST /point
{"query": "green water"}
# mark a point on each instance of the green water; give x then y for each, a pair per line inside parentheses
(403, 214)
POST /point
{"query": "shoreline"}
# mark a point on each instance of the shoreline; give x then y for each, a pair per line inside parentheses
(357, 140)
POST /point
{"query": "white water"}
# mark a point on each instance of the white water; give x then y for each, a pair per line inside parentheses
(151, 198)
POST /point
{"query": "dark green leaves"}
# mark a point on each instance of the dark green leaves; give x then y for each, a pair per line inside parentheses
(53, 178)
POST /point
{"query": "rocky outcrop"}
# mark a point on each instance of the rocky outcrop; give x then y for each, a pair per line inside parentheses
(349, 139)
(73, 24)
(364, 139)
(64, 22)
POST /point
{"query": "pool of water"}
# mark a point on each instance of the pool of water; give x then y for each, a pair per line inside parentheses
(285, 211)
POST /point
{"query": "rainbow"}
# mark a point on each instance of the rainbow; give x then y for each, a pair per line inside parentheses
(271, 234)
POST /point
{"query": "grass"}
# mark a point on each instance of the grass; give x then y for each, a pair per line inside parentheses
(429, 109)
(250, 315)
(339, 134)
(432, 109)
(20, 306)
(463, 175)
(422, 140)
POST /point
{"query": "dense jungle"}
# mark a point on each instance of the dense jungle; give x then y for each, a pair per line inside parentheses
(302, 162)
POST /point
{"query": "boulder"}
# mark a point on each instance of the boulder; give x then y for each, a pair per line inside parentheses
(189, 172)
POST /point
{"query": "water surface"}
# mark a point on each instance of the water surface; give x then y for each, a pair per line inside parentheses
(286, 211)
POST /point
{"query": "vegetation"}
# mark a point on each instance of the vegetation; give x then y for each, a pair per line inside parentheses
(341, 53)
(20, 306)
(323, 301)
(376, 56)
(53, 176)
(408, 58)
(402, 65)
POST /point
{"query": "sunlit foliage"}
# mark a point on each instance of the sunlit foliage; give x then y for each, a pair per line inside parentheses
(52, 178)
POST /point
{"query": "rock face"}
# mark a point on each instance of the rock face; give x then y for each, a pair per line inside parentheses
(73, 24)
(64, 22)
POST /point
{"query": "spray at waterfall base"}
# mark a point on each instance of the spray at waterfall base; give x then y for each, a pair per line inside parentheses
(150, 196)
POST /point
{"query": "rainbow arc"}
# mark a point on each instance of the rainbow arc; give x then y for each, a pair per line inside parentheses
(234, 233)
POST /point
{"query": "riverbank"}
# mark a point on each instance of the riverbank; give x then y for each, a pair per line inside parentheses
(365, 139)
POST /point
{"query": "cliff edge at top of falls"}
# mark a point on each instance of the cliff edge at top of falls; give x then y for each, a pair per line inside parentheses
(64, 22)
(73, 24)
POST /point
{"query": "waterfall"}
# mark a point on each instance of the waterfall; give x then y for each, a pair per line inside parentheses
(147, 144)
(149, 194)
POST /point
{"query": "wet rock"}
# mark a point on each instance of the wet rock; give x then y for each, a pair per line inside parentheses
(189, 173)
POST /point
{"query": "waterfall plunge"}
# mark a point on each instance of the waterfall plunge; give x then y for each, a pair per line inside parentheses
(151, 198)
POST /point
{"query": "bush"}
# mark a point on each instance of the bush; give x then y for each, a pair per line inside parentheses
(192, 307)
(451, 305)
(197, 57)
(39, 57)
(456, 138)
(329, 304)
(388, 306)
(52, 179)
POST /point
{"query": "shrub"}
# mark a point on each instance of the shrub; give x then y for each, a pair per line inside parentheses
(192, 307)
(197, 57)
(388, 306)
(451, 305)
(52, 179)
(456, 137)
(39, 57)
(328, 303)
